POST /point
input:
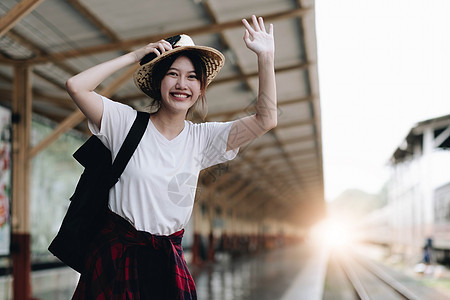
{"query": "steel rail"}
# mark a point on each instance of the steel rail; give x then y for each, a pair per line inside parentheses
(349, 267)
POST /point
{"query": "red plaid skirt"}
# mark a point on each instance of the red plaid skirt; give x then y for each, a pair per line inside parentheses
(129, 264)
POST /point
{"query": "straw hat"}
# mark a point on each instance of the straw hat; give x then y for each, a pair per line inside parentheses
(212, 59)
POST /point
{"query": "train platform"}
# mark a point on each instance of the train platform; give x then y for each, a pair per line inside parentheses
(296, 272)
(304, 271)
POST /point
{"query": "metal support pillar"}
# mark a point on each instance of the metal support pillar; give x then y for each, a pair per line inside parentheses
(20, 246)
(211, 239)
(196, 258)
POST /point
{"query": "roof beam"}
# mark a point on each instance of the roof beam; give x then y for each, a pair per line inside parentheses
(442, 137)
(76, 117)
(223, 179)
(231, 113)
(229, 191)
(121, 45)
(82, 9)
(16, 14)
(295, 124)
(226, 43)
(38, 96)
(309, 32)
(38, 51)
(254, 74)
(309, 138)
(17, 37)
(65, 103)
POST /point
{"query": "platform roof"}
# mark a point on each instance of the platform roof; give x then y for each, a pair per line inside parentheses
(413, 144)
(280, 175)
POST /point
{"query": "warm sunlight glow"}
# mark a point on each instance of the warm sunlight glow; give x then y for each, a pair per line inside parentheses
(333, 233)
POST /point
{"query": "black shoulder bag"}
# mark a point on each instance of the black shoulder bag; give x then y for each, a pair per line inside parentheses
(89, 203)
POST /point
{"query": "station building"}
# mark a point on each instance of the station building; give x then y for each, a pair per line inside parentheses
(418, 206)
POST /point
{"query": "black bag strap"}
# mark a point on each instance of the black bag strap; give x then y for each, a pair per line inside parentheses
(129, 145)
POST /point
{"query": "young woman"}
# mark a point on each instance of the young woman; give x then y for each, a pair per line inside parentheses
(138, 253)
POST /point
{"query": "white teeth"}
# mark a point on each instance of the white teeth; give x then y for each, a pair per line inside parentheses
(180, 95)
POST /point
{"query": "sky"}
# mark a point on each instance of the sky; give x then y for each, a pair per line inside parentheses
(383, 67)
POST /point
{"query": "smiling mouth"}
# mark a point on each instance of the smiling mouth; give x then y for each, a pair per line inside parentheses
(180, 96)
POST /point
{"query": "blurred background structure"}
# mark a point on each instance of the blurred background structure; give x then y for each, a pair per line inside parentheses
(263, 225)
(417, 212)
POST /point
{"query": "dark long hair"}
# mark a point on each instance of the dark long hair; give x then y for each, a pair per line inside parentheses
(160, 70)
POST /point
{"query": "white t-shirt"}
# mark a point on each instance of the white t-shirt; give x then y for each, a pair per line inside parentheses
(157, 188)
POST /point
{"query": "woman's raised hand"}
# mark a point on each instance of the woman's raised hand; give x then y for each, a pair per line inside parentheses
(158, 48)
(257, 38)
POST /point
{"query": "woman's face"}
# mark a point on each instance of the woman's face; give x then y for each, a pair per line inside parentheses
(180, 87)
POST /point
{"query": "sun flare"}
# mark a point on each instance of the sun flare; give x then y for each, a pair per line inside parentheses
(333, 233)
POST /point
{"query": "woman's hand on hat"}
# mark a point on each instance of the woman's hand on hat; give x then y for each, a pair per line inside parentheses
(257, 38)
(158, 48)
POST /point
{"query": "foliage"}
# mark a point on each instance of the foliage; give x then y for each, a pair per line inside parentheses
(357, 203)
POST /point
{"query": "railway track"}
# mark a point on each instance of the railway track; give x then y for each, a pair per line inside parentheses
(370, 282)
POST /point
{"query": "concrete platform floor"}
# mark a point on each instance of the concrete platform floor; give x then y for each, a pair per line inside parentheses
(285, 274)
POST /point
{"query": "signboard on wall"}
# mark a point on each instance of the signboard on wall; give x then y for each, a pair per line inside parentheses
(5, 180)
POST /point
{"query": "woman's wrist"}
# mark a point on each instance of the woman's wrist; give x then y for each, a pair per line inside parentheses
(137, 55)
(266, 57)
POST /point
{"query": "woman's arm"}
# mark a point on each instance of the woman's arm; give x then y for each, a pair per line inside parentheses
(249, 128)
(81, 86)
